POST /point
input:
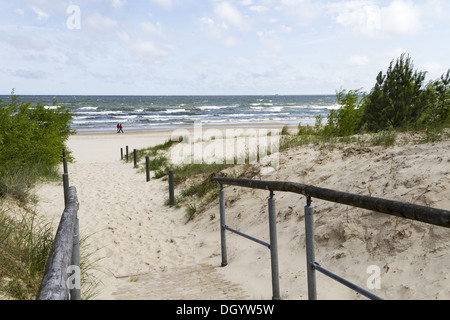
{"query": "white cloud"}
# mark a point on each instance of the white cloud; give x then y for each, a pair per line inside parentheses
(117, 4)
(100, 22)
(366, 17)
(41, 15)
(434, 69)
(20, 12)
(153, 28)
(230, 15)
(285, 29)
(359, 61)
(401, 18)
(259, 9)
(211, 28)
(149, 51)
(271, 45)
(231, 42)
(303, 11)
(166, 4)
(30, 74)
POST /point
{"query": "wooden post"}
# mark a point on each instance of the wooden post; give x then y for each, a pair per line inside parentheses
(171, 189)
(66, 188)
(121, 153)
(135, 157)
(127, 153)
(65, 161)
(147, 167)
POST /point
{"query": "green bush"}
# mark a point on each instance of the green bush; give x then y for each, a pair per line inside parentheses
(346, 120)
(400, 99)
(31, 141)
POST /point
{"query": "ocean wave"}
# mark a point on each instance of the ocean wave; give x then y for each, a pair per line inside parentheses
(203, 108)
(328, 107)
(125, 117)
(178, 110)
(52, 107)
(100, 112)
(175, 110)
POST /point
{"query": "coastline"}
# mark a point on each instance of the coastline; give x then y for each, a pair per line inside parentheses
(229, 125)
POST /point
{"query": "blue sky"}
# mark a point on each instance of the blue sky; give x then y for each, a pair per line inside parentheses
(191, 47)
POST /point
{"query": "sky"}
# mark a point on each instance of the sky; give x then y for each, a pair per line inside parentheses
(215, 47)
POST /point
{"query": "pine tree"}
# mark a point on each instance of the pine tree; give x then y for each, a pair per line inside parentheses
(398, 97)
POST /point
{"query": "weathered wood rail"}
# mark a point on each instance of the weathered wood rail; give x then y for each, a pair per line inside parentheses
(65, 254)
(54, 283)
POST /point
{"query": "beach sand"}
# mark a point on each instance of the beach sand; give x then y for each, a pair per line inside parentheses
(146, 250)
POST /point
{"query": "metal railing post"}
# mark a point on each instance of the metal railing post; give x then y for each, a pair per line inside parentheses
(310, 255)
(223, 237)
(274, 248)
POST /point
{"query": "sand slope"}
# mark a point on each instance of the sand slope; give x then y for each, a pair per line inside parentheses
(147, 250)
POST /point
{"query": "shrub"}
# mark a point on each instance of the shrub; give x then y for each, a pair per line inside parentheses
(346, 120)
(31, 140)
(399, 97)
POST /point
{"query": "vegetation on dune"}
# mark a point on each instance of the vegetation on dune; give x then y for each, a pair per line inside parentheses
(31, 143)
(400, 101)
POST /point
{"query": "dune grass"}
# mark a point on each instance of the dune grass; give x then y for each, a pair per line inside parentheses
(26, 244)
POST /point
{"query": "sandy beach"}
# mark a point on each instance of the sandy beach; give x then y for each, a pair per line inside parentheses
(146, 250)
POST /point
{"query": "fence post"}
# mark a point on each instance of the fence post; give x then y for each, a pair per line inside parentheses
(65, 179)
(75, 292)
(171, 189)
(310, 255)
(223, 238)
(121, 153)
(274, 248)
(135, 157)
(66, 188)
(65, 161)
(127, 154)
(147, 167)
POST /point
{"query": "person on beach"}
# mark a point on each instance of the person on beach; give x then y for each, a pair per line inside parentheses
(120, 128)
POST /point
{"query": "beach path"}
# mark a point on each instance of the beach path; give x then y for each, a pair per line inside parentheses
(141, 248)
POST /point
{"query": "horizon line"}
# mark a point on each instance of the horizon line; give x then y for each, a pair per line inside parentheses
(174, 95)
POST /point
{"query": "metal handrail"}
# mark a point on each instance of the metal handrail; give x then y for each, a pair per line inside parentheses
(273, 246)
(428, 215)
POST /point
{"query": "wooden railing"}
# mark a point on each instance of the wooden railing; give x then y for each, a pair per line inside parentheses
(61, 280)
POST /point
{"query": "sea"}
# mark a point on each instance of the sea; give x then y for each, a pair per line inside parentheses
(147, 113)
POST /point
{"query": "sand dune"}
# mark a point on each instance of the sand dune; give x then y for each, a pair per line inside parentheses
(148, 251)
